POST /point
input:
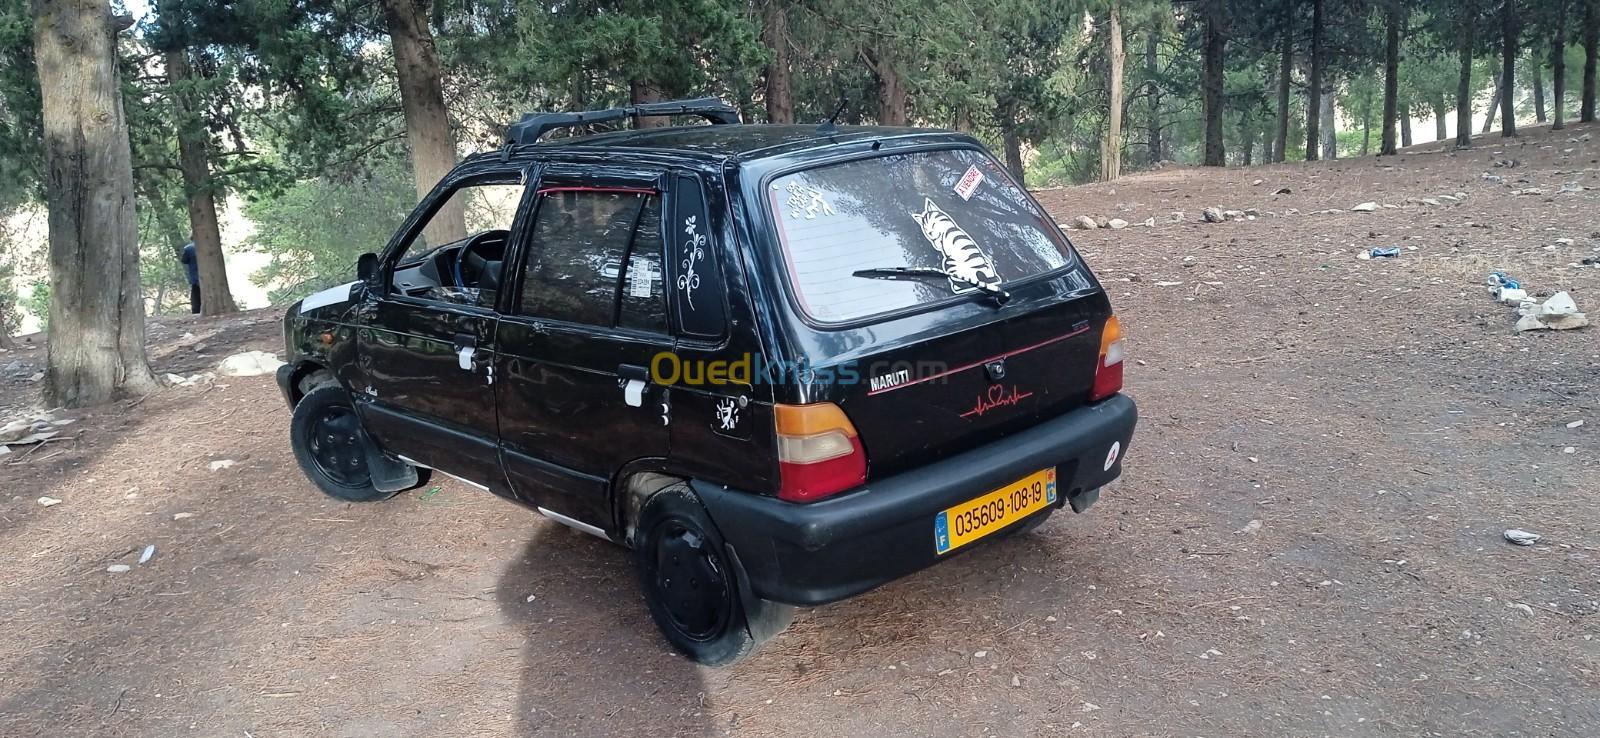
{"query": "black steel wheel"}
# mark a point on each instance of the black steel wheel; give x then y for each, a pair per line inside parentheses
(331, 447)
(690, 586)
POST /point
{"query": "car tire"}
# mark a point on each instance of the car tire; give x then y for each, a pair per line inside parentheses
(332, 448)
(691, 590)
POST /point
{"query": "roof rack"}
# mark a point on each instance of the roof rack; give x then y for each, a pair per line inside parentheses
(534, 125)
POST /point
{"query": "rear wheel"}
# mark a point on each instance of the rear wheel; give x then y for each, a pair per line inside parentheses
(692, 591)
(331, 447)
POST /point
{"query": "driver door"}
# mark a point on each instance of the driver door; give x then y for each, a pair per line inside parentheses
(427, 350)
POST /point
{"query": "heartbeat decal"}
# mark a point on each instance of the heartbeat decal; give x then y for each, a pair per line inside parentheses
(997, 396)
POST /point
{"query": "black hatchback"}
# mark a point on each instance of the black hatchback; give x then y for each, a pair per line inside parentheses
(783, 364)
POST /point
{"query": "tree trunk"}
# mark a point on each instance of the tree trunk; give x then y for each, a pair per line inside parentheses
(1013, 146)
(1537, 74)
(1469, 11)
(194, 142)
(1391, 77)
(1591, 55)
(433, 146)
(1405, 125)
(1366, 128)
(1494, 106)
(96, 331)
(1314, 85)
(891, 93)
(1558, 68)
(1441, 126)
(1247, 139)
(1280, 140)
(1216, 43)
(780, 95)
(1151, 68)
(1330, 132)
(1508, 69)
(1111, 145)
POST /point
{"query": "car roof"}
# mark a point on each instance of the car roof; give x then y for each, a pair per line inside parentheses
(743, 141)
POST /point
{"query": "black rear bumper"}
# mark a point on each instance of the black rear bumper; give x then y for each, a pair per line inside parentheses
(811, 554)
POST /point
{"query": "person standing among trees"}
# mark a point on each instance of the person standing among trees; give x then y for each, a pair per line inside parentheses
(191, 266)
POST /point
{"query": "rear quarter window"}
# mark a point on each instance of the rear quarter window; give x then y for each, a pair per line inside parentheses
(954, 211)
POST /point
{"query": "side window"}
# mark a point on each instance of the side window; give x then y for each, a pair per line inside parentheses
(595, 259)
(644, 295)
(696, 281)
(459, 254)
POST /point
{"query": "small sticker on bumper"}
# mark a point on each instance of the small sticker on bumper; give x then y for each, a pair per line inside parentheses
(1111, 456)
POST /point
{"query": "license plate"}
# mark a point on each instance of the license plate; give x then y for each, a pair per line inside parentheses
(980, 516)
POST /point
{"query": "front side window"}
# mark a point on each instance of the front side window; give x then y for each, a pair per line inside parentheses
(595, 259)
(459, 253)
(873, 236)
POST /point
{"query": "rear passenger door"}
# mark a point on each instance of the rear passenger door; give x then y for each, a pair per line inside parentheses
(589, 314)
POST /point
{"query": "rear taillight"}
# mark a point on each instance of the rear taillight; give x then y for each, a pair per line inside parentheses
(818, 452)
(1108, 373)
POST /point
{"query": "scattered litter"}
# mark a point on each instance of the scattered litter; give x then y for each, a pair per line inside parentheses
(1250, 528)
(1392, 252)
(1523, 606)
(178, 380)
(1521, 537)
(1559, 313)
(531, 598)
(1570, 450)
(249, 364)
(980, 654)
(1168, 284)
(1575, 424)
(1117, 223)
(118, 568)
(48, 501)
(1365, 207)
(1528, 191)
(182, 516)
(1212, 215)
(221, 464)
(149, 551)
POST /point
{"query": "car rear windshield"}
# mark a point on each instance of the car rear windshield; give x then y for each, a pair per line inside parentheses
(874, 236)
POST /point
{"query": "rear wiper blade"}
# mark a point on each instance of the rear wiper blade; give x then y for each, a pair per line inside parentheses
(1000, 296)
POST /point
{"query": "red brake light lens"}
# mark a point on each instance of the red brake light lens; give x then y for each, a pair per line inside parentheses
(819, 453)
(1108, 372)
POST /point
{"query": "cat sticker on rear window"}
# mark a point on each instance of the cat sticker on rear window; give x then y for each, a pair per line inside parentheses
(963, 260)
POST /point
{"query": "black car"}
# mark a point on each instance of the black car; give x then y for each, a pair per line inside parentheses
(784, 364)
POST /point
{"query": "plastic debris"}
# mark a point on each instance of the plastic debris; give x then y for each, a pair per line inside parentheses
(149, 551)
(1522, 537)
(221, 464)
(118, 568)
(1392, 252)
(1499, 280)
(1559, 313)
(48, 501)
(1365, 207)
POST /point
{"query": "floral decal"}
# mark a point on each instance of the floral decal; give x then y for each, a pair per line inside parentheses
(694, 252)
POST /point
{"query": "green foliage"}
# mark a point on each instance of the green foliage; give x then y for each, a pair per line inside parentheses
(37, 302)
(315, 228)
(21, 127)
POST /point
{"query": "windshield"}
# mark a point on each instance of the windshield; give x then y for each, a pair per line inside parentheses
(846, 227)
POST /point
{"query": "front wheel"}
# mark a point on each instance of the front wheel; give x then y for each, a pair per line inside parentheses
(692, 592)
(332, 449)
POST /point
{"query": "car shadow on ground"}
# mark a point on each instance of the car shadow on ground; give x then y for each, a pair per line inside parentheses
(593, 662)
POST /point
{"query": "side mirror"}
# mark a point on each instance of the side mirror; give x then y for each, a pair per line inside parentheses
(366, 267)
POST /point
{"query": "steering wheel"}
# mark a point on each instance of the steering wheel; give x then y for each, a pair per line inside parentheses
(478, 262)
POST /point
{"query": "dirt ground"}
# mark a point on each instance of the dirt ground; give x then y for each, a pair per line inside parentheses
(1307, 540)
